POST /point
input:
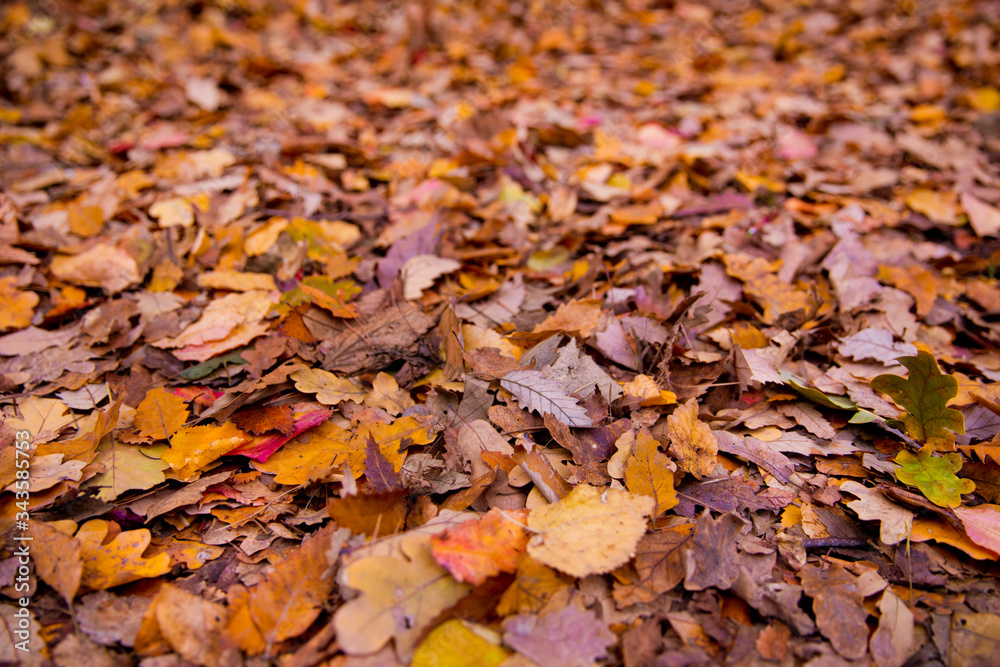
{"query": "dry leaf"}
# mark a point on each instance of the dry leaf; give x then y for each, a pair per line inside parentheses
(692, 441)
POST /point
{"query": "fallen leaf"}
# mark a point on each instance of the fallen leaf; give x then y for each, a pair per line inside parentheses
(984, 219)
(18, 306)
(420, 272)
(57, 557)
(453, 644)
(982, 525)
(481, 548)
(569, 637)
(896, 522)
(712, 559)
(119, 561)
(892, 643)
(924, 395)
(290, 597)
(194, 447)
(386, 394)
(875, 343)
(840, 615)
(934, 475)
(589, 531)
(329, 388)
(649, 472)
(540, 395)
(692, 441)
(533, 587)
(160, 414)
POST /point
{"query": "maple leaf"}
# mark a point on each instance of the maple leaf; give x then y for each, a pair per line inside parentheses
(924, 395)
(481, 548)
(589, 531)
(539, 394)
(692, 441)
(934, 475)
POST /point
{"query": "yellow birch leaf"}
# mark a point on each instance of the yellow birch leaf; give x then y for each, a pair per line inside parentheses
(692, 441)
(649, 472)
(590, 531)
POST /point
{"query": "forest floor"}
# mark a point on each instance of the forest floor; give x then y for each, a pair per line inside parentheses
(476, 333)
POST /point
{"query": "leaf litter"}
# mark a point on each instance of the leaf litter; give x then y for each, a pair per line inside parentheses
(640, 333)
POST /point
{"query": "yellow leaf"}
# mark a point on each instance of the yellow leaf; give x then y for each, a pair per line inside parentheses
(387, 395)
(452, 644)
(649, 472)
(193, 448)
(18, 306)
(918, 282)
(402, 590)
(173, 212)
(645, 388)
(590, 531)
(57, 557)
(118, 562)
(692, 441)
(937, 206)
(329, 388)
(237, 281)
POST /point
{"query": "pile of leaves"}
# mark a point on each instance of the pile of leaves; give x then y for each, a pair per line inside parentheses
(482, 333)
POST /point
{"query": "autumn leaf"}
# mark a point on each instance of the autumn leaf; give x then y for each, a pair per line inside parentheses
(539, 394)
(649, 472)
(934, 475)
(453, 644)
(289, 598)
(119, 561)
(160, 414)
(18, 306)
(533, 586)
(564, 638)
(982, 525)
(896, 522)
(482, 548)
(388, 395)
(924, 395)
(194, 447)
(401, 589)
(58, 557)
(692, 441)
(588, 531)
(329, 388)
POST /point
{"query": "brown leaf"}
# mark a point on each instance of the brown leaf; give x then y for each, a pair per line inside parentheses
(837, 604)
(692, 441)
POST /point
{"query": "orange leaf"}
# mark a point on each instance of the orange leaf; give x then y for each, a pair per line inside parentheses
(481, 548)
(649, 472)
(119, 561)
(193, 448)
(160, 414)
(18, 306)
(982, 525)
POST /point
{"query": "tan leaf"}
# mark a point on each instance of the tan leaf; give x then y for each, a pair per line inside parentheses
(649, 472)
(590, 531)
(692, 441)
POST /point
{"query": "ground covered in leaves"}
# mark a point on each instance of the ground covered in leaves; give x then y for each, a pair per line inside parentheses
(482, 333)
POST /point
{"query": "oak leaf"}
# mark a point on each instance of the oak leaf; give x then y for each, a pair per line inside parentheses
(590, 531)
(120, 561)
(934, 475)
(329, 388)
(649, 472)
(924, 395)
(482, 548)
(896, 522)
(388, 395)
(692, 440)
